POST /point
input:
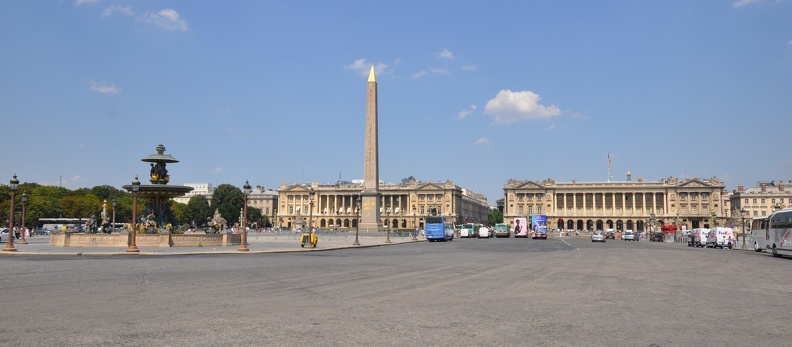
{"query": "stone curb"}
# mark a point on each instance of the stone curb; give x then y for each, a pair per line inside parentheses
(166, 253)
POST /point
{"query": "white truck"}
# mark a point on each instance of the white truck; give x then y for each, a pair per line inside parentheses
(719, 237)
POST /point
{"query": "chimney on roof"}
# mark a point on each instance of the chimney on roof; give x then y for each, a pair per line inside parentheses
(781, 186)
(764, 187)
(740, 188)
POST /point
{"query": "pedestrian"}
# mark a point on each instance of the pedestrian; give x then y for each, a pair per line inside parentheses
(730, 242)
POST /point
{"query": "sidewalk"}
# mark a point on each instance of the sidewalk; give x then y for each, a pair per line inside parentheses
(257, 243)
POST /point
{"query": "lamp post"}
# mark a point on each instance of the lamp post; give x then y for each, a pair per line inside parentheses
(22, 241)
(742, 218)
(310, 216)
(712, 220)
(676, 226)
(10, 243)
(115, 204)
(415, 226)
(133, 233)
(243, 245)
(357, 224)
(387, 226)
(652, 222)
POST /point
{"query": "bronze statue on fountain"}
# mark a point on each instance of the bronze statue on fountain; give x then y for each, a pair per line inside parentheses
(158, 194)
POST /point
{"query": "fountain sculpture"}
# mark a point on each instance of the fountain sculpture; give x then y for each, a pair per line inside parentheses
(158, 216)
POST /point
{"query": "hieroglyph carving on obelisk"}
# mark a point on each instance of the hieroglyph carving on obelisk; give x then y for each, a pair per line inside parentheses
(370, 196)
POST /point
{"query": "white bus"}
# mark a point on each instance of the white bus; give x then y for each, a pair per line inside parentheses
(759, 235)
(779, 229)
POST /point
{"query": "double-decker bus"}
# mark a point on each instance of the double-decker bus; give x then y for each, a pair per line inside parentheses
(436, 230)
(779, 232)
(759, 235)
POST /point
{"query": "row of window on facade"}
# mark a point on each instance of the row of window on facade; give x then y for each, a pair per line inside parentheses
(772, 201)
(422, 211)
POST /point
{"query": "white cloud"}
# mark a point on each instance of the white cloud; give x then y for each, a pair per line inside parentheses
(362, 66)
(741, 3)
(83, 2)
(481, 141)
(104, 88)
(470, 67)
(217, 170)
(466, 112)
(433, 71)
(113, 10)
(789, 43)
(509, 107)
(167, 19)
(446, 54)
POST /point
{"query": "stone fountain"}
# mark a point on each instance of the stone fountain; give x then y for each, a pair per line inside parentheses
(154, 226)
(158, 217)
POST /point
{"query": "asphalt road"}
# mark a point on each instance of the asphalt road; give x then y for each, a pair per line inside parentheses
(469, 292)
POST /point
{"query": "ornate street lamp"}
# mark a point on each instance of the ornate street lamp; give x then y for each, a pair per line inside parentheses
(676, 226)
(742, 218)
(10, 243)
(115, 204)
(311, 196)
(243, 245)
(415, 226)
(357, 224)
(133, 233)
(22, 241)
(387, 226)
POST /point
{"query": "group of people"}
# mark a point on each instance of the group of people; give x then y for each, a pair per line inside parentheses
(17, 233)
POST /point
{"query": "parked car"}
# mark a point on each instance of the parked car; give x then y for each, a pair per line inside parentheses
(598, 235)
(609, 234)
(41, 231)
(657, 237)
(629, 236)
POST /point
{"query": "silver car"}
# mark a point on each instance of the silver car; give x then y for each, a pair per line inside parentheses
(598, 236)
(629, 236)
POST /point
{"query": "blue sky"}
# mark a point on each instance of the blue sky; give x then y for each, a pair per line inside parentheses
(477, 92)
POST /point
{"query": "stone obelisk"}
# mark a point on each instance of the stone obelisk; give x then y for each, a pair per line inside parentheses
(370, 196)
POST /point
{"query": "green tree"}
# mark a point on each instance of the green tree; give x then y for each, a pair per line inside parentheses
(105, 192)
(182, 213)
(229, 200)
(495, 216)
(47, 199)
(199, 209)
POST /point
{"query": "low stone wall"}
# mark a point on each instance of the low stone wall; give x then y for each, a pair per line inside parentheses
(88, 240)
(144, 240)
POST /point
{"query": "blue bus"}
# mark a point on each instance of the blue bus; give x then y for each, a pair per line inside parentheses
(436, 230)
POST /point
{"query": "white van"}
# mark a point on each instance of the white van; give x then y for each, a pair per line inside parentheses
(700, 236)
(483, 233)
(465, 232)
(719, 236)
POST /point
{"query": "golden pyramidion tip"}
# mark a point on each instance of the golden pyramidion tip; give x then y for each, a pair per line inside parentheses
(372, 78)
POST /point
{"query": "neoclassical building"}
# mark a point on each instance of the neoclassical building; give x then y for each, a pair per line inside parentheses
(760, 200)
(403, 205)
(618, 205)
